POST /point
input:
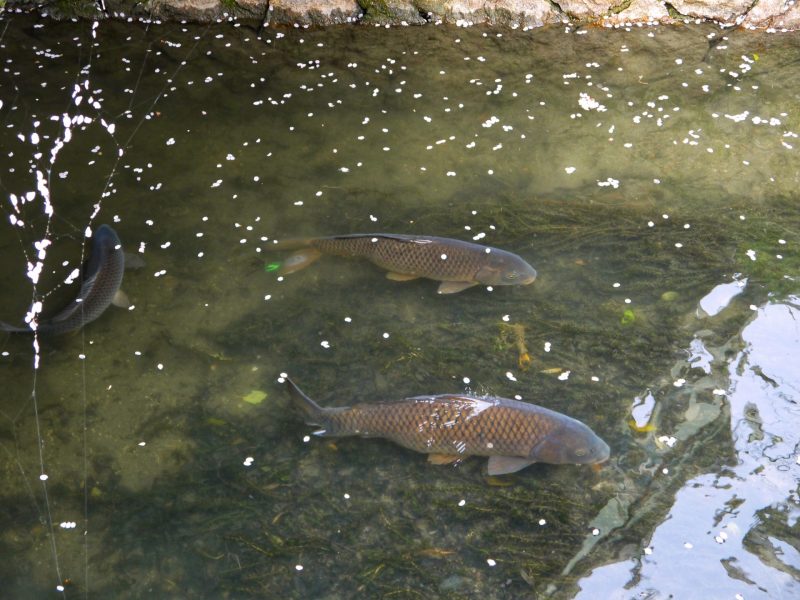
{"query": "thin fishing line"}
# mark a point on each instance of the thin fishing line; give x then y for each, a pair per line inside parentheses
(97, 208)
(42, 470)
(80, 84)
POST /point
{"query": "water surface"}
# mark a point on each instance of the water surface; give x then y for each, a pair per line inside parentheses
(636, 170)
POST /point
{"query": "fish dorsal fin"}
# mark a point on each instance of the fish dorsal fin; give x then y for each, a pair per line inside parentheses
(453, 287)
(397, 237)
(400, 276)
(443, 459)
(503, 465)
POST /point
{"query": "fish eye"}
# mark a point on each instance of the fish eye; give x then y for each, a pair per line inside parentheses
(512, 275)
(580, 452)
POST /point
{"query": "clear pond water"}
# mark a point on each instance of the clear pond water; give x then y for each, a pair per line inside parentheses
(649, 175)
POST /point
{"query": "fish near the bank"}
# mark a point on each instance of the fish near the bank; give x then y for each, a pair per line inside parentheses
(102, 277)
(457, 264)
(451, 427)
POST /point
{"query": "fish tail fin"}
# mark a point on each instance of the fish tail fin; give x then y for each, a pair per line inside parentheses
(314, 413)
(299, 260)
(290, 244)
(305, 254)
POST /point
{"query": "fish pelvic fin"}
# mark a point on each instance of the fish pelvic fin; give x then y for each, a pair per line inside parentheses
(503, 465)
(453, 287)
(121, 299)
(444, 459)
(400, 276)
(299, 260)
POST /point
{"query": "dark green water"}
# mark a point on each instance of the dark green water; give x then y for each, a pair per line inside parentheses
(636, 170)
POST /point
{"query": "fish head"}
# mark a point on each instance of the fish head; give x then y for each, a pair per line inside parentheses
(504, 268)
(571, 443)
(105, 239)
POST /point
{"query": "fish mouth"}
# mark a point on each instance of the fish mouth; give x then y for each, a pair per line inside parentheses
(529, 276)
(603, 454)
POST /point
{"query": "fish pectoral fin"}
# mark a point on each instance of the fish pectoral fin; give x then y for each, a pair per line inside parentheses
(503, 465)
(400, 276)
(133, 261)
(121, 299)
(299, 260)
(453, 287)
(443, 459)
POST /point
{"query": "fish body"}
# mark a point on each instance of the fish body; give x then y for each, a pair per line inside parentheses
(450, 427)
(102, 277)
(457, 264)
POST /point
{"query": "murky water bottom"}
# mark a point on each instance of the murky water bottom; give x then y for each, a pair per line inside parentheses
(636, 170)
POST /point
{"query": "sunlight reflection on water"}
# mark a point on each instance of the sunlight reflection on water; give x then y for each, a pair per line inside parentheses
(645, 174)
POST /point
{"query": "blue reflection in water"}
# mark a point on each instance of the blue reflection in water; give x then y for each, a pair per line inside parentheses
(716, 542)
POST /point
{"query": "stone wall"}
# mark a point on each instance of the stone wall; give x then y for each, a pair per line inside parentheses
(772, 15)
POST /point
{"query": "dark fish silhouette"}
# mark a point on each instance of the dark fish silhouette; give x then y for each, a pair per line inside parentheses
(451, 427)
(102, 276)
(457, 264)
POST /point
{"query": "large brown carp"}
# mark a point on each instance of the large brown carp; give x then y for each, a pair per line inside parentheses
(451, 427)
(101, 280)
(457, 264)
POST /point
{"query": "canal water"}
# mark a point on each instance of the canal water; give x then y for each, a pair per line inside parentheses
(650, 176)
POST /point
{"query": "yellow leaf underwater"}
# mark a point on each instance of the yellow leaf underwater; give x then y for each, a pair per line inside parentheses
(255, 397)
(641, 428)
(436, 552)
(552, 371)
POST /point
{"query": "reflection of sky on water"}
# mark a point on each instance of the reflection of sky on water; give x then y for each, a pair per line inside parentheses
(712, 543)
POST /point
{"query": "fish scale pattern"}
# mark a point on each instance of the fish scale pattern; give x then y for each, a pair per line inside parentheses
(452, 424)
(444, 260)
(103, 276)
